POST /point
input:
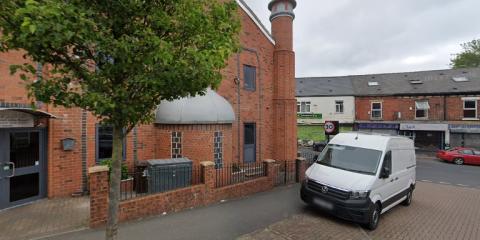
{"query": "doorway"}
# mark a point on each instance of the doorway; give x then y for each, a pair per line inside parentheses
(22, 166)
(249, 143)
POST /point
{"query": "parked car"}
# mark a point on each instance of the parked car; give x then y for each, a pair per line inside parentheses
(319, 146)
(460, 155)
(358, 176)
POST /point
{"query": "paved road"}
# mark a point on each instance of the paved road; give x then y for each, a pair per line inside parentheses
(222, 221)
(438, 212)
(430, 169)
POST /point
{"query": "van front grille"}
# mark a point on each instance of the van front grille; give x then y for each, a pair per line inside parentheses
(334, 192)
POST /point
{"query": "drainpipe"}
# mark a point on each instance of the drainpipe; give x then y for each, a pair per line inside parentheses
(237, 82)
(444, 107)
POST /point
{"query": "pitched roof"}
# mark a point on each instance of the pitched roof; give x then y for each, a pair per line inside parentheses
(450, 81)
(324, 86)
(256, 20)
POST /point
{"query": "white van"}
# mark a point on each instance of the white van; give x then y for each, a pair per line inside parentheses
(359, 176)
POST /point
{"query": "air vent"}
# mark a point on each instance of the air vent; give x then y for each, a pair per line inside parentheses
(373, 84)
(416, 82)
(460, 79)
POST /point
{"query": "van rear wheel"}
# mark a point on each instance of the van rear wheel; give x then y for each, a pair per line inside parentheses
(374, 218)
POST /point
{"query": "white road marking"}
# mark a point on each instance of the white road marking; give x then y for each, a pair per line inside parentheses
(425, 181)
(445, 183)
(463, 185)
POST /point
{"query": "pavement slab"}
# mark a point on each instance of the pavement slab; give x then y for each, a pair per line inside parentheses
(437, 212)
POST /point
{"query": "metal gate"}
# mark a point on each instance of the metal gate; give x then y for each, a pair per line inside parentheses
(287, 173)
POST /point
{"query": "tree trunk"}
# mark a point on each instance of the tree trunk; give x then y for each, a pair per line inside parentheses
(115, 178)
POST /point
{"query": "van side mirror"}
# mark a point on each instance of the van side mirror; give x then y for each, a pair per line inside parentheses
(385, 172)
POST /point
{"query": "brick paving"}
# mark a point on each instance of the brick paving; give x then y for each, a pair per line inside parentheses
(437, 212)
(43, 218)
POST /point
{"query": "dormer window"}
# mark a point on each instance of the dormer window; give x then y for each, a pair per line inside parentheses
(460, 79)
(371, 84)
(416, 82)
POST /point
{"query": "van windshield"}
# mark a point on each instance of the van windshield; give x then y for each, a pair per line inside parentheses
(354, 159)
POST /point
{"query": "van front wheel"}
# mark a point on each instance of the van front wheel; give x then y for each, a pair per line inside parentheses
(374, 218)
(408, 200)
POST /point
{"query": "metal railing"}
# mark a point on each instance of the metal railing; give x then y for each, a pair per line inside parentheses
(287, 173)
(309, 155)
(157, 180)
(230, 174)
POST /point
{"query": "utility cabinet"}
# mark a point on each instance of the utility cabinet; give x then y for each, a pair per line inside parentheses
(169, 174)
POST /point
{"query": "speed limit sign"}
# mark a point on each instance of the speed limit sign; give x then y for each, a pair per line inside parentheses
(331, 127)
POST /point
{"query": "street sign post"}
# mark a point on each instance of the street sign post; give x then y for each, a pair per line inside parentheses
(331, 128)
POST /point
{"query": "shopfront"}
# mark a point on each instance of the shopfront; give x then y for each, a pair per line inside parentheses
(465, 135)
(382, 128)
(427, 136)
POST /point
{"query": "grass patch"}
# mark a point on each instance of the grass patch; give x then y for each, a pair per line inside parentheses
(316, 133)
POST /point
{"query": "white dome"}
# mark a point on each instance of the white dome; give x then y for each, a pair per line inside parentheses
(208, 109)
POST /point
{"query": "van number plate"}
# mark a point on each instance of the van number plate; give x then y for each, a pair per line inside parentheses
(323, 204)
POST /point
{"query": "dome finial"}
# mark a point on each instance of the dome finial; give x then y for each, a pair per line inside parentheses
(282, 8)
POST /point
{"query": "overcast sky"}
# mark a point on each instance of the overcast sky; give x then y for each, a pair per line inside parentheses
(347, 37)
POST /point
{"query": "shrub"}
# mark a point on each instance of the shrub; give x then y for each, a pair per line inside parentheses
(108, 163)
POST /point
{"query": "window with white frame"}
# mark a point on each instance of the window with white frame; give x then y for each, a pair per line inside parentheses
(421, 109)
(376, 112)
(339, 106)
(470, 108)
(303, 107)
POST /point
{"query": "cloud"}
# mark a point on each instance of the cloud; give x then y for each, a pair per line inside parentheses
(345, 37)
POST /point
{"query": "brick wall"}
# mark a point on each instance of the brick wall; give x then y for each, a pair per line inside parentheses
(197, 141)
(172, 201)
(67, 170)
(12, 89)
(406, 105)
(64, 167)
(251, 106)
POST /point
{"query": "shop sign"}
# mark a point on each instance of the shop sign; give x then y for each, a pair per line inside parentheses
(309, 115)
(378, 126)
(464, 128)
(423, 127)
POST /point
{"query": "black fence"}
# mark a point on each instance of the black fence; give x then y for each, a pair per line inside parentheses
(309, 155)
(287, 173)
(237, 173)
(147, 181)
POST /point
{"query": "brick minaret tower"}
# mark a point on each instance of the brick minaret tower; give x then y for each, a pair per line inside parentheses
(284, 80)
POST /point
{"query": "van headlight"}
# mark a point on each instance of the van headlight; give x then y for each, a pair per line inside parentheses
(359, 194)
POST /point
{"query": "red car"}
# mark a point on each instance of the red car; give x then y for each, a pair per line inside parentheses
(460, 155)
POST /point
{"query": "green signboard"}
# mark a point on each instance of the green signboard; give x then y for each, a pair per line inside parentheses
(309, 115)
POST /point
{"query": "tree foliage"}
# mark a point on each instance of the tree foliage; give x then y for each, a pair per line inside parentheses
(470, 57)
(119, 59)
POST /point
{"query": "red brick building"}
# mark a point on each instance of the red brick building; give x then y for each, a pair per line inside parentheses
(251, 117)
(435, 108)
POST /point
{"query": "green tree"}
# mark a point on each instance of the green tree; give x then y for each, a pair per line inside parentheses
(119, 59)
(470, 57)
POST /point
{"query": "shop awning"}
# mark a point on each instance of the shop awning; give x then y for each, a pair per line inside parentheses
(34, 112)
(422, 105)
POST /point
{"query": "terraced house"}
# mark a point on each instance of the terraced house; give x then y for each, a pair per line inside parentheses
(45, 151)
(437, 108)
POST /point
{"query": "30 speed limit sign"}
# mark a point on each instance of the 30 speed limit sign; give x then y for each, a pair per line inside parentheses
(331, 127)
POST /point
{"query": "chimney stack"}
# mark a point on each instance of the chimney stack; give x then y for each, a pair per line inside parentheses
(285, 104)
